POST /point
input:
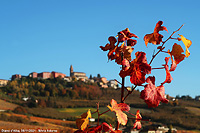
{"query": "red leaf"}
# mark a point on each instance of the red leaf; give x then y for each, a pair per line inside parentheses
(152, 94)
(126, 64)
(131, 42)
(173, 65)
(118, 108)
(80, 131)
(168, 75)
(138, 69)
(104, 126)
(137, 123)
(125, 35)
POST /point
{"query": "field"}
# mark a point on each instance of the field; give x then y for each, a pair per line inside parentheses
(36, 123)
(194, 110)
(6, 105)
(184, 116)
(78, 111)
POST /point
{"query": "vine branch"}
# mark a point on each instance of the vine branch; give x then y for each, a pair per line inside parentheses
(170, 37)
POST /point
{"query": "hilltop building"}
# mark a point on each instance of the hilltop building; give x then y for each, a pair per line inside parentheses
(42, 75)
(3, 82)
(79, 75)
(113, 83)
(16, 76)
(101, 81)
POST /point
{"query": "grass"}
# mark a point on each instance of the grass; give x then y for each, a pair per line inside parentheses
(76, 112)
(194, 110)
(6, 105)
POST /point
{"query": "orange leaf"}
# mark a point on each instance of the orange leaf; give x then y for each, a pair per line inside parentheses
(109, 46)
(159, 27)
(177, 53)
(187, 44)
(118, 108)
(155, 37)
(127, 52)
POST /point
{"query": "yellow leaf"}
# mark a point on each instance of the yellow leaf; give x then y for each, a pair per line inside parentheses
(84, 120)
(82, 123)
(87, 114)
(110, 108)
(187, 44)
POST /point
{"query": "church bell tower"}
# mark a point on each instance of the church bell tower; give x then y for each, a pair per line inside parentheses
(71, 71)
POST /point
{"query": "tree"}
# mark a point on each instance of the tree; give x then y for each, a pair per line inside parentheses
(98, 76)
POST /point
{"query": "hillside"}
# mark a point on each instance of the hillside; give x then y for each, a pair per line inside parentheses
(4, 105)
(55, 98)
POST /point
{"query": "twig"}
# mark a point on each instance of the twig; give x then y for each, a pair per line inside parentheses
(129, 92)
(140, 119)
(104, 112)
(158, 68)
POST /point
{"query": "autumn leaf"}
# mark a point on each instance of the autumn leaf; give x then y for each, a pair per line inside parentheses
(159, 27)
(87, 115)
(138, 69)
(177, 53)
(107, 127)
(82, 122)
(104, 126)
(80, 131)
(137, 123)
(187, 44)
(173, 65)
(168, 75)
(131, 42)
(118, 108)
(151, 94)
(155, 37)
(111, 45)
(125, 64)
(125, 35)
(127, 50)
(117, 54)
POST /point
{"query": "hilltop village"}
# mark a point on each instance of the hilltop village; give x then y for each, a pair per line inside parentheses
(102, 81)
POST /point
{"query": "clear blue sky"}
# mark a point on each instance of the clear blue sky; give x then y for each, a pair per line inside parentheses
(50, 35)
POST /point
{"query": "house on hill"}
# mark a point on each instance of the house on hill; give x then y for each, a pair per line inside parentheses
(79, 75)
(46, 75)
(3, 82)
(16, 76)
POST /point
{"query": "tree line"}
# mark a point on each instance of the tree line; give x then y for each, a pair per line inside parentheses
(53, 87)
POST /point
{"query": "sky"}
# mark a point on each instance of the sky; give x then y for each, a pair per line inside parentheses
(50, 35)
